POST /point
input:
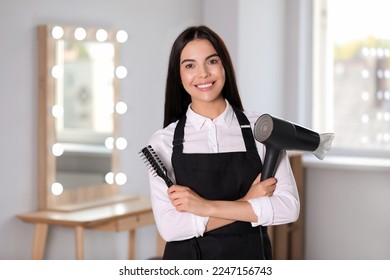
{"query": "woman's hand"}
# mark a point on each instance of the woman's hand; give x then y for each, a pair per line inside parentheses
(186, 200)
(263, 188)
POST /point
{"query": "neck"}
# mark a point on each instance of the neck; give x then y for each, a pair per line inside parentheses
(209, 110)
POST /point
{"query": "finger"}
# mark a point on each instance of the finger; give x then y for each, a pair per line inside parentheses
(269, 182)
(180, 193)
(268, 192)
(271, 188)
(175, 188)
(172, 189)
(173, 192)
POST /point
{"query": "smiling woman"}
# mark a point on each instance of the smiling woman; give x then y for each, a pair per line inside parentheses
(212, 211)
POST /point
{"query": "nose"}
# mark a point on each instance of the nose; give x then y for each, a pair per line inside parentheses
(204, 71)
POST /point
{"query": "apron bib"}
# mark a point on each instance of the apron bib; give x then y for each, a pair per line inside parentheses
(220, 176)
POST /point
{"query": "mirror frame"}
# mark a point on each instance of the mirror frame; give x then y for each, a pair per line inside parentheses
(82, 197)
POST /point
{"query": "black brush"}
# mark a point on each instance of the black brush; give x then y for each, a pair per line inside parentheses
(155, 164)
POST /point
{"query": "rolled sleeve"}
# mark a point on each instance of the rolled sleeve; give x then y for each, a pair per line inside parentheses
(263, 209)
(200, 224)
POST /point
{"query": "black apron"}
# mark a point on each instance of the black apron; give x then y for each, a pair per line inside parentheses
(220, 176)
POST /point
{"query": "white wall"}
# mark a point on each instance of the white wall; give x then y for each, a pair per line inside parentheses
(260, 55)
(347, 210)
(225, 22)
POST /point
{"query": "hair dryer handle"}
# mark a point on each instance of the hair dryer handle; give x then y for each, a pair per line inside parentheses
(270, 161)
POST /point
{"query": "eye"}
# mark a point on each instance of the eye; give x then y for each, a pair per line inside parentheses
(189, 65)
(214, 61)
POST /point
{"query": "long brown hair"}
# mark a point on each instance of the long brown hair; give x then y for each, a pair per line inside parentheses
(176, 98)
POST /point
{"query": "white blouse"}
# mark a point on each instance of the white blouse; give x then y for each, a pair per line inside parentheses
(223, 134)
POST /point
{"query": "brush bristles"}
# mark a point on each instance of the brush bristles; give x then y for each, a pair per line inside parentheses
(152, 161)
(156, 167)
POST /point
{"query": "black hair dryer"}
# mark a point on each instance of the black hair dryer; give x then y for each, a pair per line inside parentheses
(277, 135)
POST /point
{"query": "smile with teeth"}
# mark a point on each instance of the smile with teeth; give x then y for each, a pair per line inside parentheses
(204, 86)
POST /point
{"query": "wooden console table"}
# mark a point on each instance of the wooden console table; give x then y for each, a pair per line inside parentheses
(119, 216)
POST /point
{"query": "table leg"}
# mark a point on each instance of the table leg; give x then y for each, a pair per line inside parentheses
(39, 242)
(132, 244)
(79, 232)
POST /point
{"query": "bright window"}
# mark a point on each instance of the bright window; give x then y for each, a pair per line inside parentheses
(351, 83)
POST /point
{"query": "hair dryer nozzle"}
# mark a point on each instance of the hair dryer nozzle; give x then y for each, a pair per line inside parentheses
(326, 140)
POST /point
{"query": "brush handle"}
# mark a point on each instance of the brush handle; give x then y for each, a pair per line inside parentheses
(168, 181)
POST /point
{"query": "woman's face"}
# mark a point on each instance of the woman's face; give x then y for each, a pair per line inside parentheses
(201, 72)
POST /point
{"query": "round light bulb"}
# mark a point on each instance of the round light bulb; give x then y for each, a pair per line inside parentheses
(121, 107)
(109, 143)
(57, 111)
(109, 178)
(121, 36)
(80, 33)
(57, 32)
(57, 72)
(120, 179)
(57, 188)
(57, 149)
(121, 72)
(121, 143)
(101, 35)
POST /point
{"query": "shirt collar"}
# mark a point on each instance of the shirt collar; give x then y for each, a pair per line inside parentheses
(224, 119)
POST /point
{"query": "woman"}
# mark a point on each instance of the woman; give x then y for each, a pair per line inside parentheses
(217, 208)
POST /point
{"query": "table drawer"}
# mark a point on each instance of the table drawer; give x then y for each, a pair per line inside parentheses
(135, 221)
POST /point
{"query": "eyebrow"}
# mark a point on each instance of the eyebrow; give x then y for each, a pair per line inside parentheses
(191, 60)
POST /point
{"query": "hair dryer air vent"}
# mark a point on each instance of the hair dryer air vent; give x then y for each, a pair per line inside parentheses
(263, 128)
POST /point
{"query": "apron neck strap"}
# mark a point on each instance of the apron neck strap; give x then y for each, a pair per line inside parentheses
(178, 137)
(246, 129)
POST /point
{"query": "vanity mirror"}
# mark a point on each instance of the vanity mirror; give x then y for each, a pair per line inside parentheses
(79, 111)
